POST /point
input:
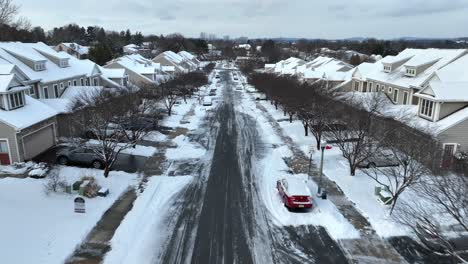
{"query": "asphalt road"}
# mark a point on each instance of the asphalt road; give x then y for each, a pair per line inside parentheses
(220, 218)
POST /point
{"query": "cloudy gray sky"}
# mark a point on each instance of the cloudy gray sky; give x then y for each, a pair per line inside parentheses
(260, 18)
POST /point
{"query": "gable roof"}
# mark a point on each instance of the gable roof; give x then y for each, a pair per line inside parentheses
(434, 58)
(32, 51)
(82, 50)
(31, 113)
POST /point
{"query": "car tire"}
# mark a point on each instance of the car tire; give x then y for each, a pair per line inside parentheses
(62, 160)
(97, 164)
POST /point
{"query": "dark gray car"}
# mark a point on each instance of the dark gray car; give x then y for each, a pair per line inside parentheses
(80, 155)
(383, 158)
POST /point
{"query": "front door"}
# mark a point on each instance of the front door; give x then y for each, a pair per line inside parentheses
(448, 155)
(4, 153)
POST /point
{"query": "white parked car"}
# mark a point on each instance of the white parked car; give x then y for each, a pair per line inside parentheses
(207, 101)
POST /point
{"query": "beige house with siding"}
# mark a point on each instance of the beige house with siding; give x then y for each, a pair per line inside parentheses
(27, 126)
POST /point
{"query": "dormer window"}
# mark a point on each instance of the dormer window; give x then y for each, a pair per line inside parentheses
(411, 72)
(16, 100)
(426, 108)
(387, 68)
(39, 66)
(63, 63)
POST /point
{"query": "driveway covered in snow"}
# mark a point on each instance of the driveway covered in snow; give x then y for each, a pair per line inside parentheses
(222, 216)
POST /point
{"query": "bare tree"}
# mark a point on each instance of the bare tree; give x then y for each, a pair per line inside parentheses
(355, 138)
(107, 114)
(413, 152)
(440, 211)
(8, 11)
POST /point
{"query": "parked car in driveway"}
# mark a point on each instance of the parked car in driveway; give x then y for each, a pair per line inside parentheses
(80, 155)
(207, 101)
(294, 193)
(382, 158)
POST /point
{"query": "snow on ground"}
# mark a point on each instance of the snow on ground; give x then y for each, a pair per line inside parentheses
(359, 189)
(18, 168)
(185, 149)
(272, 168)
(139, 237)
(46, 227)
(155, 136)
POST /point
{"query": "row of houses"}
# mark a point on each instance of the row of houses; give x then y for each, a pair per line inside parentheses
(430, 85)
(38, 83)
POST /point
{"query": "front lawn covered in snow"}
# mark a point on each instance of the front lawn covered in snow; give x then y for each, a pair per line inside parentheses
(40, 228)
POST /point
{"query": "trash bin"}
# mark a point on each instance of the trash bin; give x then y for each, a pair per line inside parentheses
(324, 195)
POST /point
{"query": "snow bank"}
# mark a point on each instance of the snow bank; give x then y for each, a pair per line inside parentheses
(139, 236)
(155, 136)
(45, 227)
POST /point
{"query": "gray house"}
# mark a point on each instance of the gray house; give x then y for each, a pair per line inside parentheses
(27, 126)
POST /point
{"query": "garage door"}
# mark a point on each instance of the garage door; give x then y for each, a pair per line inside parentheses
(38, 142)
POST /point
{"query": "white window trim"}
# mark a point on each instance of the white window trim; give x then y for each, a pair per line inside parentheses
(455, 148)
(421, 109)
(43, 91)
(407, 97)
(395, 93)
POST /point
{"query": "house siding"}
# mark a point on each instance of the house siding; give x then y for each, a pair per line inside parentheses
(50, 86)
(448, 108)
(456, 134)
(9, 133)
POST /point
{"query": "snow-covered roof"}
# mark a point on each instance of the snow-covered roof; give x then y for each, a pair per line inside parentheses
(14, 52)
(113, 73)
(244, 46)
(78, 48)
(186, 55)
(433, 59)
(365, 69)
(139, 65)
(33, 112)
(326, 68)
(64, 104)
(168, 68)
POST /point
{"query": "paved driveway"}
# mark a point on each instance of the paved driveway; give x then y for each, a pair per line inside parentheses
(125, 162)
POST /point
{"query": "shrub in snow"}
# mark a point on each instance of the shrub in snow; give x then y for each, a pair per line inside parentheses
(54, 183)
(92, 188)
(38, 170)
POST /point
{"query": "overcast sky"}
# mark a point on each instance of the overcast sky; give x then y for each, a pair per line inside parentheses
(260, 18)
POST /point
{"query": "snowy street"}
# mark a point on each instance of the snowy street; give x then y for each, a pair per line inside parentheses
(222, 215)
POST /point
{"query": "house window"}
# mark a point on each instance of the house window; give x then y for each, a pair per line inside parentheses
(75, 83)
(61, 86)
(390, 89)
(95, 82)
(395, 96)
(383, 88)
(87, 82)
(3, 146)
(82, 82)
(405, 98)
(387, 68)
(370, 87)
(377, 87)
(356, 86)
(427, 108)
(16, 100)
(32, 91)
(46, 92)
(56, 90)
(69, 83)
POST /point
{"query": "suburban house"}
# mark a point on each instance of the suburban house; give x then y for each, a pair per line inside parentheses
(190, 59)
(140, 70)
(27, 126)
(74, 49)
(400, 76)
(49, 72)
(169, 58)
(443, 101)
(334, 72)
(136, 49)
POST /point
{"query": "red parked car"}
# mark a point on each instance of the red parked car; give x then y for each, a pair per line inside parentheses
(294, 193)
